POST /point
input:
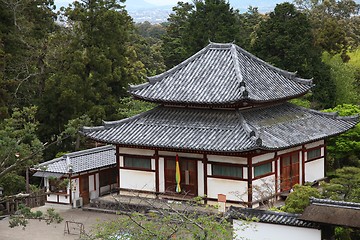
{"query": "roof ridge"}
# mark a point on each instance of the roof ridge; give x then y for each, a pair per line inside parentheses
(88, 151)
(239, 76)
(329, 202)
(288, 74)
(253, 134)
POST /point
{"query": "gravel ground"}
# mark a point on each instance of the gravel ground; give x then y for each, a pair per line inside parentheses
(41, 231)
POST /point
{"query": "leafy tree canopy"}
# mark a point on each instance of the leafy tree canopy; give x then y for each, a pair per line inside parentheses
(299, 199)
(286, 41)
(345, 149)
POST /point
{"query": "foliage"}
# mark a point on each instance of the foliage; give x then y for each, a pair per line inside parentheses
(12, 184)
(177, 220)
(191, 27)
(24, 28)
(130, 107)
(21, 218)
(344, 77)
(93, 63)
(286, 41)
(249, 23)
(19, 145)
(299, 199)
(335, 24)
(344, 185)
(345, 148)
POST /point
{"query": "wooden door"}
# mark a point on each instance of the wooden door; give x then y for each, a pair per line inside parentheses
(188, 173)
(289, 171)
(84, 189)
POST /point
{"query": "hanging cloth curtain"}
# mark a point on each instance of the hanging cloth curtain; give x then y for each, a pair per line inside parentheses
(177, 175)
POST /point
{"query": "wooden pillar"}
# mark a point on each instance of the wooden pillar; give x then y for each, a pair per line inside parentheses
(325, 158)
(205, 162)
(303, 152)
(249, 185)
(118, 167)
(157, 177)
(276, 158)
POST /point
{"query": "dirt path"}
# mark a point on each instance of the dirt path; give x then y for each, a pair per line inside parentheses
(41, 231)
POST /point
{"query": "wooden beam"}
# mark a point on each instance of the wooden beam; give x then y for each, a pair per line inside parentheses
(205, 163)
(249, 185)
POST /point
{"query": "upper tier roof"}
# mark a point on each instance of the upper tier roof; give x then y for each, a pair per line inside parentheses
(226, 131)
(221, 74)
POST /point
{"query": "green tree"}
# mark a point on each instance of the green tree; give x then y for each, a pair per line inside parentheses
(191, 27)
(24, 29)
(344, 185)
(299, 199)
(344, 77)
(93, 62)
(19, 145)
(335, 24)
(286, 41)
(345, 149)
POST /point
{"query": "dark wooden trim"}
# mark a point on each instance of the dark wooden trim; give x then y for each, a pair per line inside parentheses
(228, 178)
(309, 149)
(117, 167)
(135, 155)
(315, 159)
(276, 161)
(205, 173)
(139, 157)
(264, 175)
(263, 162)
(325, 157)
(157, 177)
(227, 164)
(303, 152)
(181, 157)
(249, 160)
(138, 169)
(58, 203)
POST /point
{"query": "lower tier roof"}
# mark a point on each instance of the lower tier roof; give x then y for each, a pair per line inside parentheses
(217, 130)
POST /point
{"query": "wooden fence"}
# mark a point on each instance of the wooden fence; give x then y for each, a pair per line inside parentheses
(10, 204)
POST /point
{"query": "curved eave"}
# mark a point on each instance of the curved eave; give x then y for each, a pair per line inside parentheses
(235, 103)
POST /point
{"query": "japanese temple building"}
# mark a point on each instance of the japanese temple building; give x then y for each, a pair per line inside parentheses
(224, 113)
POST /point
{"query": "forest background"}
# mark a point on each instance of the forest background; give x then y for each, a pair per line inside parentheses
(60, 70)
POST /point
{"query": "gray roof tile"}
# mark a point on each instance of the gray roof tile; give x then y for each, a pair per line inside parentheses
(221, 74)
(81, 161)
(215, 130)
(264, 216)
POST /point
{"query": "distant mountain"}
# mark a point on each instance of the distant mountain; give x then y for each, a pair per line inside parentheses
(138, 4)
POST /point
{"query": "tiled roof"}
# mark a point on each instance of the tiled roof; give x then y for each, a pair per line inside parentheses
(221, 74)
(338, 213)
(80, 161)
(264, 216)
(216, 130)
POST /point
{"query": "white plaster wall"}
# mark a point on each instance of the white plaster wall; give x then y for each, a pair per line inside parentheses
(263, 157)
(226, 159)
(267, 231)
(264, 187)
(137, 151)
(233, 189)
(200, 176)
(314, 144)
(314, 170)
(181, 154)
(137, 180)
(64, 199)
(289, 150)
(161, 174)
(91, 183)
(300, 167)
(51, 198)
(97, 179)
